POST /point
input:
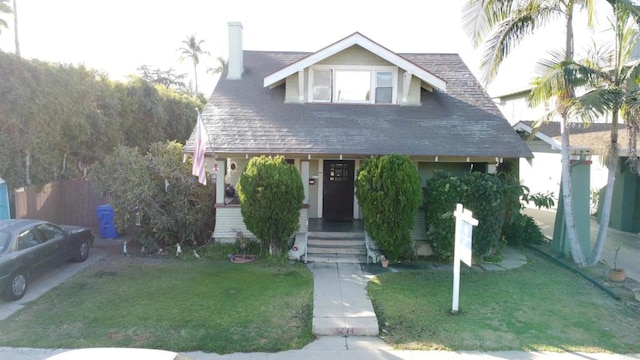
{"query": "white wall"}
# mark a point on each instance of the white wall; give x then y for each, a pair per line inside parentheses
(542, 174)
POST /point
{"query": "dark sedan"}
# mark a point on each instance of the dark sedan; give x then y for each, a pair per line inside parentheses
(30, 246)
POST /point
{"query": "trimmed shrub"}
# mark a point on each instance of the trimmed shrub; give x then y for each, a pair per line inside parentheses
(389, 193)
(486, 199)
(479, 192)
(523, 230)
(271, 194)
(442, 193)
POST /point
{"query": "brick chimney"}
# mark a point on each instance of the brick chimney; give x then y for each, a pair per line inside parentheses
(235, 63)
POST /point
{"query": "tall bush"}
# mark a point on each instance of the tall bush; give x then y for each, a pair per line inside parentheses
(486, 199)
(58, 120)
(271, 194)
(389, 193)
(482, 194)
(442, 193)
(155, 195)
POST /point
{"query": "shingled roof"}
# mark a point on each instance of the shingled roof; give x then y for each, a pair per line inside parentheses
(596, 136)
(244, 117)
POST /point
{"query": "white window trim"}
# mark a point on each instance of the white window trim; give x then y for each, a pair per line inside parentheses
(372, 69)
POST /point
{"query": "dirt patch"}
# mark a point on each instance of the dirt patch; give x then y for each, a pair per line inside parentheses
(116, 260)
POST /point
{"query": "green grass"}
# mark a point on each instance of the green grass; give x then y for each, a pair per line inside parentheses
(539, 307)
(213, 306)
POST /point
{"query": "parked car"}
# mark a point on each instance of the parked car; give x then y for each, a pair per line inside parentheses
(30, 246)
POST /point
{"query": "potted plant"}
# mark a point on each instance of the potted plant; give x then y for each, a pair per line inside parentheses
(384, 261)
(616, 273)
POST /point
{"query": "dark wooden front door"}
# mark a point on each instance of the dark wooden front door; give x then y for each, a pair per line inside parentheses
(337, 196)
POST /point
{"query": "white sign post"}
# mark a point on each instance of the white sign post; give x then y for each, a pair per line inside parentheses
(462, 250)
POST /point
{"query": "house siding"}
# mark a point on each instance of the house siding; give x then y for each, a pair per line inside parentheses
(229, 221)
(355, 55)
(352, 56)
(292, 91)
(419, 231)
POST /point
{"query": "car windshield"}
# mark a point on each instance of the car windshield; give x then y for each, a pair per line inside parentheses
(4, 241)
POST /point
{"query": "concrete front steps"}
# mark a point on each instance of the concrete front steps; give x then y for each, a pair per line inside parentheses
(336, 247)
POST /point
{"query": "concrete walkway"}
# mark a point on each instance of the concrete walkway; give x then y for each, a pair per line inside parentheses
(340, 302)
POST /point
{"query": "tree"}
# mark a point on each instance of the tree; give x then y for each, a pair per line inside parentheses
(15, 26)
(193, 49)
(218, 69)
(271, 194)
(57, 120)
(508, 22)
(154, 195)
(4, 9)
(389, 193)
(167, 78)
(612, 90)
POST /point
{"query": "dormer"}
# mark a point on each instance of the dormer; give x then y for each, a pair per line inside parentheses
(354, 70)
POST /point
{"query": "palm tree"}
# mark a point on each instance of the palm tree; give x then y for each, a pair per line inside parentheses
(614, 92)
(507, 22)
(192, 49)
(222, 64)
(4, 9)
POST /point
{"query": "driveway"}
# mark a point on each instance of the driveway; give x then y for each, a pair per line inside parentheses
(629, 243)
(40, 284)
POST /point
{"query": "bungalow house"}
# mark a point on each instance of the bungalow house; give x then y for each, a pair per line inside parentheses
(542, 172)
(327, 111)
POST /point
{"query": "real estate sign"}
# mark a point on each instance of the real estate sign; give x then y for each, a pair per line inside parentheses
(462, 250)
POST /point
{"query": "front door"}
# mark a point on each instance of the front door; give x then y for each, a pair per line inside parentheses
(337, 196)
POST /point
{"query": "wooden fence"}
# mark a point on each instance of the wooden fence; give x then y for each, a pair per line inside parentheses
(69, 202)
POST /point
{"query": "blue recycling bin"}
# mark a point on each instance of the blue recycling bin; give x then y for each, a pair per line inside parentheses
(106, 215)
(5, 212)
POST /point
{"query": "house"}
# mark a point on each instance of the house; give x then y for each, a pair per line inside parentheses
(542, 173)
(327, 111)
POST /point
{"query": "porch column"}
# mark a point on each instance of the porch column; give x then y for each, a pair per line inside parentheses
(304, 173)
(222, 172)
(356, 205)
(320, 186)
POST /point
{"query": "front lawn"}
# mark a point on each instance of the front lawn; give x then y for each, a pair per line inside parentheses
(537, 307)
(212, 306)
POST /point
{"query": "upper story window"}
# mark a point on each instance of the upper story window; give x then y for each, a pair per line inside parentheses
(356, 85)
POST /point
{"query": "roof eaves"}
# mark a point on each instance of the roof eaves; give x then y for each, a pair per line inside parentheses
(361, 40)
(547, 139)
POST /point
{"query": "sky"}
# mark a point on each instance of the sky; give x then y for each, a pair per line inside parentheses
(119, 36)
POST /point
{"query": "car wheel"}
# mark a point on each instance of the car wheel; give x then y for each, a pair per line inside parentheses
(17, 285)
(83, 252)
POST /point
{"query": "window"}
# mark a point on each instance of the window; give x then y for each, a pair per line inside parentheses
(4, 241)
(353, 86)
(322, 85)
(349, 84)
(50, 232)
(339, 172)
(384, 87)
(28, 238)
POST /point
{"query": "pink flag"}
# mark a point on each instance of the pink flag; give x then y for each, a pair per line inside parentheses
(198, 152)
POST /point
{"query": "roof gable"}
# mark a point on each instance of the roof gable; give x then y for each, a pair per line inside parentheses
(366, 43)
(529, 129)
(595, 136)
